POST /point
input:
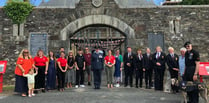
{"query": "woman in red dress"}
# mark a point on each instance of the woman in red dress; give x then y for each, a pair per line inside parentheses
(24, 64)
(41, 62)
(62, 68)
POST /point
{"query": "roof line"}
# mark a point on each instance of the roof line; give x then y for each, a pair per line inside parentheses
(165, 6)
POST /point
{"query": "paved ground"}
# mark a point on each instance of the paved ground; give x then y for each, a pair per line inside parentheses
(104, 95)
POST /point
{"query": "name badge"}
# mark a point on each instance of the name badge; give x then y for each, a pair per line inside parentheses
(100, 56)
(190, 56)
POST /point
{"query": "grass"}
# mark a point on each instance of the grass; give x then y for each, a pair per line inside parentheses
(7, 90)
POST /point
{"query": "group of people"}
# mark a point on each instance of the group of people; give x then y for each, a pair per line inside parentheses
(69, 68)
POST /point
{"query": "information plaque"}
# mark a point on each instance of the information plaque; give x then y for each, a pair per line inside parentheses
(38, 41)
(3, 66)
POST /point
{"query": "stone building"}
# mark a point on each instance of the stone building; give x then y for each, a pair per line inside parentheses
(109, 23)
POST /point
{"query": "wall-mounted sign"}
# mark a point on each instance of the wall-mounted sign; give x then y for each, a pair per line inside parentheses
(38, 41)
(3, 66)
(204, 68)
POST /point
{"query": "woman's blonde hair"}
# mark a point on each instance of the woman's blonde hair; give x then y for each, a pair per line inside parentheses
(21, 53)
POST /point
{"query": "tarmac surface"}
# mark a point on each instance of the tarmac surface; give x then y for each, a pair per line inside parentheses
(104, 95)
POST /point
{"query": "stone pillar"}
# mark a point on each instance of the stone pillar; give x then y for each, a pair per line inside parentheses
(21, 36)
(171, 26)
(177, 24)
(15, 30)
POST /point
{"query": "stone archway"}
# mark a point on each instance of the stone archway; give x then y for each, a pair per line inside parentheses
(97, 19)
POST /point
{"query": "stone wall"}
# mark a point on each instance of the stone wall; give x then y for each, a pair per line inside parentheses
(190, 23)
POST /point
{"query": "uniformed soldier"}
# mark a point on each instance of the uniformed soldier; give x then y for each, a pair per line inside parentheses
(97, 65)
(192, 60)
(159, 59)
(173, 65)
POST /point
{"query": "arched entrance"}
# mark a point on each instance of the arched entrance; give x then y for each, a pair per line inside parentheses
(98, 35)
(97, 22)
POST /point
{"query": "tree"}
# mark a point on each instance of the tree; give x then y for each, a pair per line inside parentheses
(18, 11)
(194, 2)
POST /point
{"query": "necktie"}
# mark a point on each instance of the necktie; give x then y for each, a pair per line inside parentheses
(129, 54)
(172, 55)
(158, 55)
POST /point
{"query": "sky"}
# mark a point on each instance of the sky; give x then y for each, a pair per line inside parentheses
(33, 2)
(38, 2)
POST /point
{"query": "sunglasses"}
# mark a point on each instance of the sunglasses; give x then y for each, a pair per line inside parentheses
(187, 46)
(25, 52)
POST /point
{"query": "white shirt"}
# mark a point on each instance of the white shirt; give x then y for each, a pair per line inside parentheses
(31, 78)
(158, 54)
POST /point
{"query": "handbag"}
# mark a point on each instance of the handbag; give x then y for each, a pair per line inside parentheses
(188, 86)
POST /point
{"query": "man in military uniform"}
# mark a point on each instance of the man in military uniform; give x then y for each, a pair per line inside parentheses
(97, 65)
(192, 60)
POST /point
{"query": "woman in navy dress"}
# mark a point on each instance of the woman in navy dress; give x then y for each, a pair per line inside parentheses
(51, 76)
(118, 68)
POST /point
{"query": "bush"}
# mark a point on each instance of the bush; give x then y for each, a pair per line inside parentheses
(194, 2)
(18, 11)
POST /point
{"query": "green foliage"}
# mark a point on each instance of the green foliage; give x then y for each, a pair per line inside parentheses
(18, 0)
(195, 2)
(18, 11)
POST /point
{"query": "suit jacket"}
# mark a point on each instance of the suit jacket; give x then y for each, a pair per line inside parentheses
(172, 62)
(138, 63)
(147, 61)
(129, 59)
(161, 60)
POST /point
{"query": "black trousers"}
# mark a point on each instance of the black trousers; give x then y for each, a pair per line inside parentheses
(193, 96)
(139, 77)
(188, 76)
(128, 76)
(40, 77)
(148, 77)
(97, 77)
(80, 76)
(61, 78)
(159, 75)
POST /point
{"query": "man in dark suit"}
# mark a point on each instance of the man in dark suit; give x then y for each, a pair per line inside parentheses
(159, 59)
(138, 68)
(128, 66)
(173, 64)
(148, 68)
